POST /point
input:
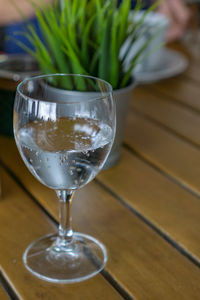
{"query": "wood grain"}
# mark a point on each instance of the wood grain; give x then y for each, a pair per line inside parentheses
(174, 156)
(170, 208)
(22, 221)
(142, 262)
(177, 118)
(179, 90)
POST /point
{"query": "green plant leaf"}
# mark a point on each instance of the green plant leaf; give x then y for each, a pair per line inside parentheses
(104, 58)
(114, 53)
(86, 37)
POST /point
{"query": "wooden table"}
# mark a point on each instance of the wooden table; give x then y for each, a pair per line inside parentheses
(146, 209)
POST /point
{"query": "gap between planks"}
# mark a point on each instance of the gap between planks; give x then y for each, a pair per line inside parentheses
(146, 160)
(171, 98)
(164, 236)
(167, 238)
(165, 127)
(7, 288)
(107, 276)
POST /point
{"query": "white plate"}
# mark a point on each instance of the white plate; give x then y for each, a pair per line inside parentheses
(173, 63)
(18, 66)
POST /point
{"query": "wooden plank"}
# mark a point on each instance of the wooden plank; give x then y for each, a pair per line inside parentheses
(8, 84)
(170, 208)
(172, 155)
(168, 113)
(160, 272)
(180, 90)
(21, 222)
(3, 294)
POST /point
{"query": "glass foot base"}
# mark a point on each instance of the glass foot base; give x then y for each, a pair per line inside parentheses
(81, 259)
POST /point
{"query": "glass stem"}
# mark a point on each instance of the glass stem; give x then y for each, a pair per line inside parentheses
(65, 232)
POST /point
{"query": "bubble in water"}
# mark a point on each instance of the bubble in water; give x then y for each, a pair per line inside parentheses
(63, 159)
(79, 170)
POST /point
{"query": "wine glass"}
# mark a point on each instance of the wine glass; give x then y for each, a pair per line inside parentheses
(64, 127)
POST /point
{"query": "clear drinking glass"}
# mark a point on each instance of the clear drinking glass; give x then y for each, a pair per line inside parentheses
(64, 127)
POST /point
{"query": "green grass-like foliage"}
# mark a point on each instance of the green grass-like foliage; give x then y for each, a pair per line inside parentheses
(85, 37)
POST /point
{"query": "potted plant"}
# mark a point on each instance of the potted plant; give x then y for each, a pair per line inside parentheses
(87, 37)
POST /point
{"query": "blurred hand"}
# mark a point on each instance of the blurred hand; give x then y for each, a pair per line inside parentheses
(178, 14)
(9, 12)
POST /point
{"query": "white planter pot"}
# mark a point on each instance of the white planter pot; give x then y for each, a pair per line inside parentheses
(122, 99)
